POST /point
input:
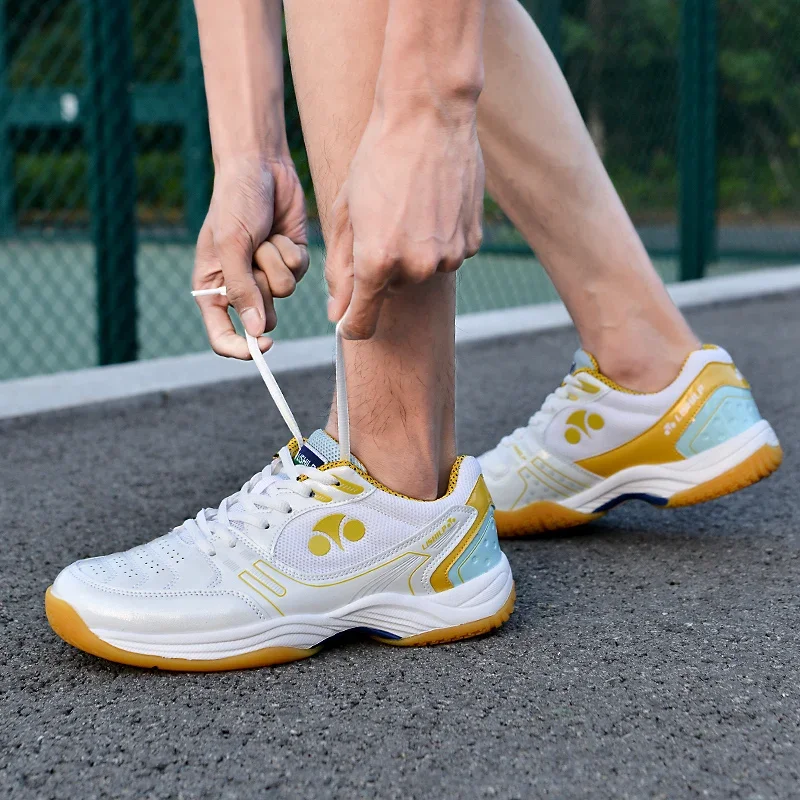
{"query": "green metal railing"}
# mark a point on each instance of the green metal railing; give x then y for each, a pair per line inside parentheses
(104, 146)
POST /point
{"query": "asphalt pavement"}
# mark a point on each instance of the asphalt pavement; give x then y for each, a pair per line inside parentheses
(653, 654)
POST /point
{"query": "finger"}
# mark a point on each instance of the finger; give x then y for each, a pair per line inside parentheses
(270, 315)
(282, 281)
(235, 252)
(454, 257)
(339, 262)
(295, 256)
(361, 318)
(221, 333)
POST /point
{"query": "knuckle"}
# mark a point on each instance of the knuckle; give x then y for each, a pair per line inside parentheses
(293, 260)
(218, 348)
(453, 259)
(474, 243)
(283, 285)
(380, 260)
(420, 271)
(238, 293)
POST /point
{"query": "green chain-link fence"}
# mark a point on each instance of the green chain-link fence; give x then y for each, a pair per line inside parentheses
(105, 169)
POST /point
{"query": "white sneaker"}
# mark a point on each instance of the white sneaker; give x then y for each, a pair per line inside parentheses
(595, 444)
(308, 548)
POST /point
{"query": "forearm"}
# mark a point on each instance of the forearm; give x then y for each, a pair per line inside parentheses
(433, 56)
(240, 44)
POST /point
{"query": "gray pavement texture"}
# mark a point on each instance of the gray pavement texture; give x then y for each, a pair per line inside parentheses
(654, 654)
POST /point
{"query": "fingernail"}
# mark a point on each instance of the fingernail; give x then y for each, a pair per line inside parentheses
(253, 321)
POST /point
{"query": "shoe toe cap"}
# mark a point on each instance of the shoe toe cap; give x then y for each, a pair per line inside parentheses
(105, 607)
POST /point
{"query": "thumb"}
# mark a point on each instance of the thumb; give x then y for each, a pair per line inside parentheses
(339, 260)
(235, 253)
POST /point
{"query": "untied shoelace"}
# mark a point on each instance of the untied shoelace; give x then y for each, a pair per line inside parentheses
(260, 497)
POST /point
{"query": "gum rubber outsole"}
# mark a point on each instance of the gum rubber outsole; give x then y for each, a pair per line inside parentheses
(548, 516)
(539, 517)
(457, 632)
(752, 470)
(67, 623)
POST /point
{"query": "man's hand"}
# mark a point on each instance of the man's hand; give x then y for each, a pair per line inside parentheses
(254, 241)
(412, 205)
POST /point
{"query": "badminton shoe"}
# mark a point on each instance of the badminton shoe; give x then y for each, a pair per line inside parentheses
(308, 548)
(594, 445)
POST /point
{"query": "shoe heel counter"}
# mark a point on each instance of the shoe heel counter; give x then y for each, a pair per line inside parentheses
(477, 551)
(727, 410)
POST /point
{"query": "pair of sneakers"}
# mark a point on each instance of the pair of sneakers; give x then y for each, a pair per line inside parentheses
(314, 546)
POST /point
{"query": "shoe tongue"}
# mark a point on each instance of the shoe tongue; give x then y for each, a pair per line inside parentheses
(321, 449)
(583, 360)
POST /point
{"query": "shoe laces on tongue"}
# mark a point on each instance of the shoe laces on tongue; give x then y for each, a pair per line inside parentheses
(269, 492)
(556, 400)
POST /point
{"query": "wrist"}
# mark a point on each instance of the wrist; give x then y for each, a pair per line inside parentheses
(254, 138)
(432, 57)
(237, 165)
(451, 109)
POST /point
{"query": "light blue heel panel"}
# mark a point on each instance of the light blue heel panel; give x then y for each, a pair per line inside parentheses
(729, 411)
(481, 555)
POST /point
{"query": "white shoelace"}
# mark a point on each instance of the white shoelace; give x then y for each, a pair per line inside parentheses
(255, 505)
(259, 498)
(553, 403)
(342, 410)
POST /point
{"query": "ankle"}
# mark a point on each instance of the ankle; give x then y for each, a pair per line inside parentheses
(414, 478)
(417, 466)
(646, 364)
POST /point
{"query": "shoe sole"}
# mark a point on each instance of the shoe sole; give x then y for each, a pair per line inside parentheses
(545, 516)
(67, 623)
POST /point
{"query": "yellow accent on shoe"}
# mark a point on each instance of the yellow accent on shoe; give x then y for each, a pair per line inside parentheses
(589, 388)
(753, 469)
(348, 488)
(457, 632)
(481, 500)
(66, 622)
(451, 484)
(657, 444)
(580, 423)
(334, 527)
(539, 517)
(319, 545)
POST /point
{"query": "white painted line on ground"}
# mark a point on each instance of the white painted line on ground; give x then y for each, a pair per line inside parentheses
(98, 384)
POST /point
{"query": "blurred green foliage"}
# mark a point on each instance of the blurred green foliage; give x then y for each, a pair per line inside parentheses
(620, 57)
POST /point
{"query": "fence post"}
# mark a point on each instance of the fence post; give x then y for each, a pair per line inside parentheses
(196, 139)
(111, 137)
(6, 143)
(697, 137)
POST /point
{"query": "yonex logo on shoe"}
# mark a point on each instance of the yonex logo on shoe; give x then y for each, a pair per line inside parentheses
(334, 528)
(684, 409)
(441, 532)
(580, 423)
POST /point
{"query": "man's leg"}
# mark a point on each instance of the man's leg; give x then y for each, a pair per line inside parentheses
(401, 381)
(543, 169)
(697, 433)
